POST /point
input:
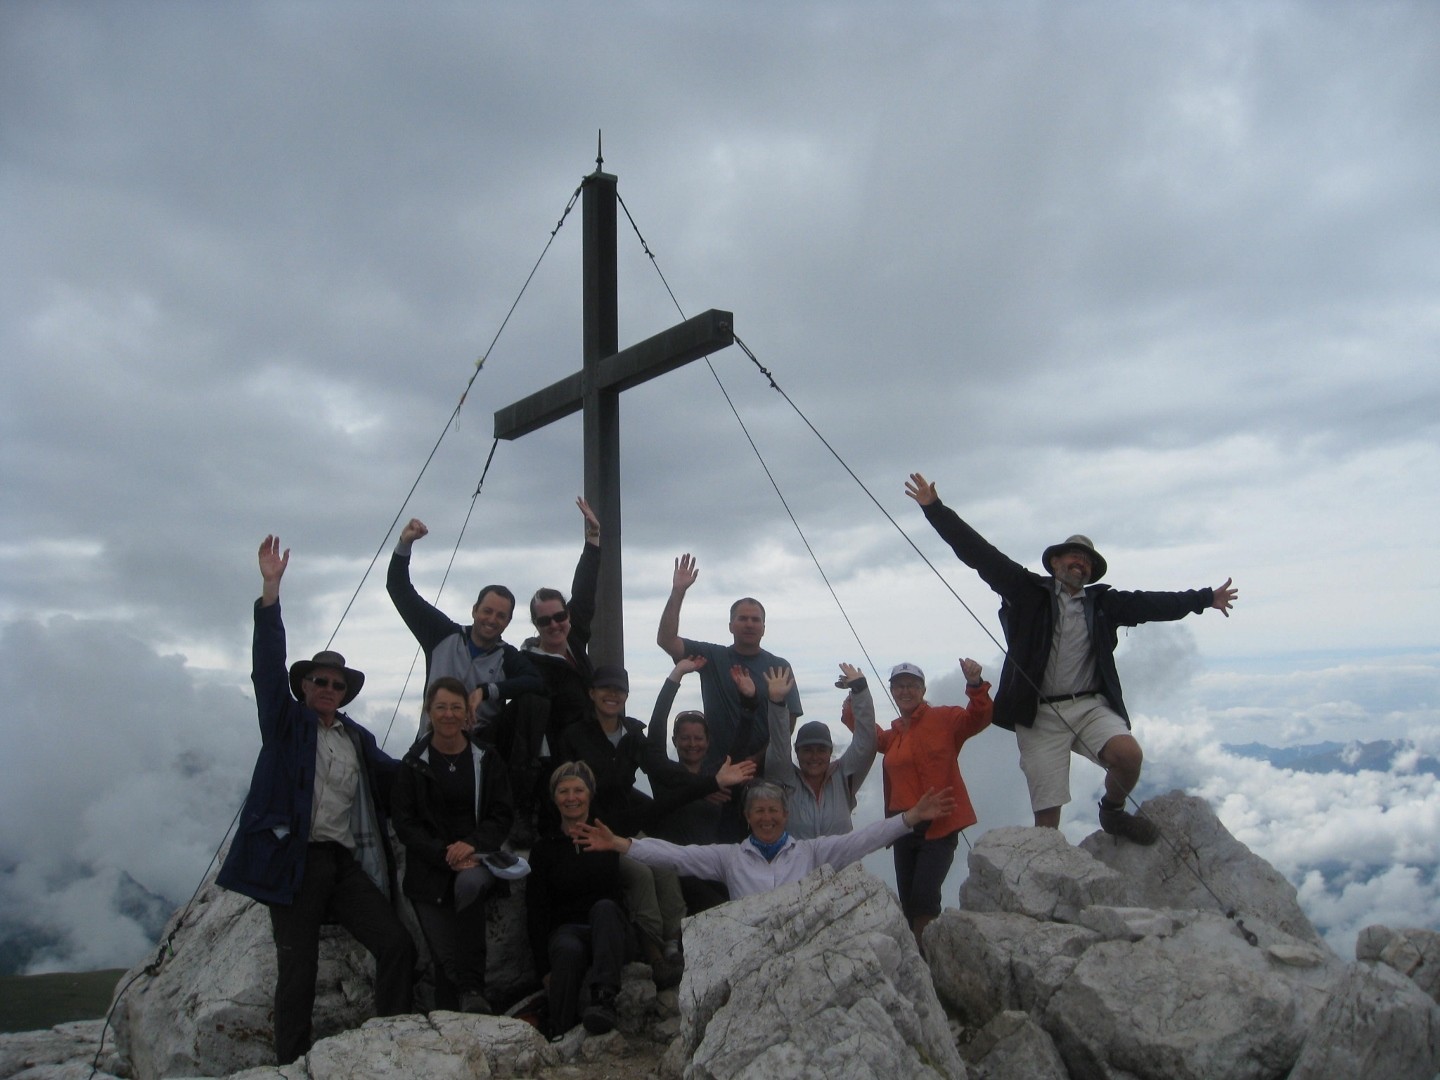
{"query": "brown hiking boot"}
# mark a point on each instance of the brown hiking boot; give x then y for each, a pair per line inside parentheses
(1127, 826)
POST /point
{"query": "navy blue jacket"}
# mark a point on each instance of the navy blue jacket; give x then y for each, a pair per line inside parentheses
(1027, 614)
(266, 860)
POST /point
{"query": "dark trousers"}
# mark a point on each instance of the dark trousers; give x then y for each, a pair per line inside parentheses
(599, 945)
(701, 895)
(457, 947)
(335, 889)
(920, 869)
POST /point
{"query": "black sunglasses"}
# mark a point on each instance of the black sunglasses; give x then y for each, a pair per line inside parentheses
(326, 683)
(542, 621)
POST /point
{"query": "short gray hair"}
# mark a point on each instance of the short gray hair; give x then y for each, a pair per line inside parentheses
(764, 789)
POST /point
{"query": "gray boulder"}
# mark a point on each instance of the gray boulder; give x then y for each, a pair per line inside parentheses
(64, 1050)
(1377, 1023)
(1201, 1004)
(443, 1046)
(1013, 1047)
(1413, 953)
(208, 1010)
(984, 963)
(1036, 872)
(1165, 875)
(817, 979)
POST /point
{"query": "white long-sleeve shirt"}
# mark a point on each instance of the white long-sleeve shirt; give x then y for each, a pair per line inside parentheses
(744, 870)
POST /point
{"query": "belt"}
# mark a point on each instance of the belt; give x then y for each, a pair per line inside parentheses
(1069, 697)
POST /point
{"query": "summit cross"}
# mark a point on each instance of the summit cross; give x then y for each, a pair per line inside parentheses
(595, 391)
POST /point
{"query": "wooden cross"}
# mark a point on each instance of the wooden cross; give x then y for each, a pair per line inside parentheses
(595, 391)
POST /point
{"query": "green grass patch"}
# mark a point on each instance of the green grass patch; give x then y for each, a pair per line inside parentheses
(36, 1002)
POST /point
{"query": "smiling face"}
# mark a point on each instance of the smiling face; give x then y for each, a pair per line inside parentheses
(552, 624)
(747, 625)
(492, 615)
(449, 714)
(766, 818)
(572, 799)
(814, 760)
(324, 688)
(1072, 568)
(609, 702)
(909, 693)
(692, 743)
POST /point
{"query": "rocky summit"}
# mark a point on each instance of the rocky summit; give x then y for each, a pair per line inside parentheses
(1188, 959)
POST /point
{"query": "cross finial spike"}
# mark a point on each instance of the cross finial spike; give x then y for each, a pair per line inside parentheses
(599, 152)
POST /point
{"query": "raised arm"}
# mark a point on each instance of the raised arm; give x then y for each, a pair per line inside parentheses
(779, 765)
(996, 569)
(587, 577)
(267, 650)
(859, 756)
(425, 621)
(668, 636)
(272, 569)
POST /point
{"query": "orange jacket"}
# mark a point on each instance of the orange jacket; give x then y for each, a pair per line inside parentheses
(924, 752)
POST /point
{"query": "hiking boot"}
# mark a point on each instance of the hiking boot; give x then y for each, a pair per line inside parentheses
(1127, 826)
(599, 1016)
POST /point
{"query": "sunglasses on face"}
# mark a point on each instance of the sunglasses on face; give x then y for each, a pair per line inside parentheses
(325, 683)
(542, 621)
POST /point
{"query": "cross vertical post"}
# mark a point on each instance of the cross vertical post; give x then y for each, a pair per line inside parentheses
(606, 371)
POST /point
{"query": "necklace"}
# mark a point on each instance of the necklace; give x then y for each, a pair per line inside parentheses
(450, 758)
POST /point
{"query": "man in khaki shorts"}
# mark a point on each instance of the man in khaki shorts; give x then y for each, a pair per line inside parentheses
(1059, 690)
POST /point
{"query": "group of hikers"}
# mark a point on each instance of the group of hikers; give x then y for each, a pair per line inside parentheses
(526, 764)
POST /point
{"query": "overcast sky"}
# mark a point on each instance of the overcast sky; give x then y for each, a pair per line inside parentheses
(1161, 273)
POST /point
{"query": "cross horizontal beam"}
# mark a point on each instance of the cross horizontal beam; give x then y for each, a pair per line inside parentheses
(708, 332)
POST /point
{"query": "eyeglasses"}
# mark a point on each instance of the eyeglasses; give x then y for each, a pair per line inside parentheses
(542, 621)
(338, 685)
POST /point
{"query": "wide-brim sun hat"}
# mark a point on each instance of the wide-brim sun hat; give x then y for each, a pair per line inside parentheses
(326, 658)
(1077, 543)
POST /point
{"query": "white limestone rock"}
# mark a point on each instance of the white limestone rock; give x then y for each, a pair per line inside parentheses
(208, 1011)
(1377, 1023)
(817, 979)
(1012, 1046)
(23, 1052)
(1413, 953)
(1161, 877)
(1127, 923)
(1201, 1004)
(1036, 872)
(443, 1046)
(984, 963)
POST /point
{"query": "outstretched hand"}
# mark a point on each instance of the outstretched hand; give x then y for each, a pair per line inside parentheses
(598, 837)
(729, 775)
(272, 569)
(921, 490)
(592, 523)
(272, 562)
(849, 676)
(932, 804)
(778, 683)
(686, 571)
(1224, 597)
(685, 665)
(744, 682)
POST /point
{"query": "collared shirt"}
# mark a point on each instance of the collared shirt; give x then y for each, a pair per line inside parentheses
(337, 774)
(1071, 667)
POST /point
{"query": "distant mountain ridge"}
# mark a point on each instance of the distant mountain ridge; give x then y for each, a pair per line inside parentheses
(1348, 757)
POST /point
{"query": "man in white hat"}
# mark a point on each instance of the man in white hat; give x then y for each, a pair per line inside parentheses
(1059, 689)
(311, 843)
